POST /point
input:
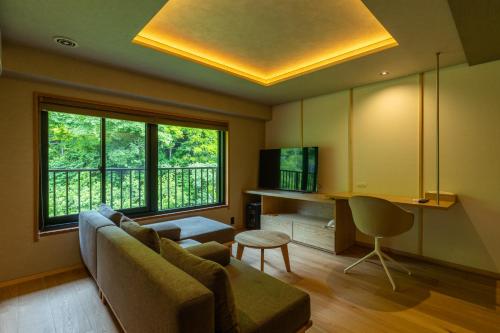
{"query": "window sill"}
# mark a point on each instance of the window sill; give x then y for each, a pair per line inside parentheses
(182, 212)
(41, 234)
(55, 232)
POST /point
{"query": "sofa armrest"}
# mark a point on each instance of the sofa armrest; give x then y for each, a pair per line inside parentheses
(166, 230)
(211, 251)
(88, 224)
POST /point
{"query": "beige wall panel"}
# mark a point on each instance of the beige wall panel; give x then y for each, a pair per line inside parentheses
(385, 155)
(20, 255)
(326, 126)
(385, 137)
(284, 130)
(468, 234)
(50, 67)
(385, 146)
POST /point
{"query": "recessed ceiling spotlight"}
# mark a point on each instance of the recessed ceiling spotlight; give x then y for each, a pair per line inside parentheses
(65, 41)
(384, 73)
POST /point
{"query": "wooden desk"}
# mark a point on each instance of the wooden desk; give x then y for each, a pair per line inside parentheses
(314, 197)
(445, 203)
(303, 216)
(399, 200)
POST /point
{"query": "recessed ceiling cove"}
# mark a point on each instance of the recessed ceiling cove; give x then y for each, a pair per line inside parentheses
(266, 41)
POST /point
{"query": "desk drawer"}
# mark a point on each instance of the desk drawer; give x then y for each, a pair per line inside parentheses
(276, 223)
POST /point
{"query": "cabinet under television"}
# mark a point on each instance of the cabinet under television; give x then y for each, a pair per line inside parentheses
(305, 216)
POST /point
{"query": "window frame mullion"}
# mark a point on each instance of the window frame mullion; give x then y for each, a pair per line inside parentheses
(103, 160)
(44, 170)
(152, 167)
(222, 168)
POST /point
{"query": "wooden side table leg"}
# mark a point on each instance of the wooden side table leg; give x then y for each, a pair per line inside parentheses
(262, 260)
(230, 247)
(284, 250)
(239, 252)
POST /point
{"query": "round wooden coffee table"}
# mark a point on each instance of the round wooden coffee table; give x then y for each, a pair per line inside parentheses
(263, 239)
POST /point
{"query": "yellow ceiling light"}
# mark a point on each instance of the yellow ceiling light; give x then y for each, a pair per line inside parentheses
(266, 42)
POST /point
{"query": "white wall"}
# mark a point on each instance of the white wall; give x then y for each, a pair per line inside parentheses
(385, 151)
(326, 127)
(470, 165)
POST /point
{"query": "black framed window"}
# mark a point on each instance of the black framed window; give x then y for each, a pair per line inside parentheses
(136, 166)
(188, 167)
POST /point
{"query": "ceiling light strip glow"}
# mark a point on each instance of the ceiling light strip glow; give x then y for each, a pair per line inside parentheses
(267, 81)
(140, 40)
(335, 60)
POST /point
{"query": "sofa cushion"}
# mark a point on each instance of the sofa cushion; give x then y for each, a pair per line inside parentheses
(185, 243)
(211, 275)
(146, 236)
(204, 230)
(266, 304)
(166, 230)
(111, 214)
(211, 251)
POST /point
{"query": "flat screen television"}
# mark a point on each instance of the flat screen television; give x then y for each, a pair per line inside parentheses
(291, 169)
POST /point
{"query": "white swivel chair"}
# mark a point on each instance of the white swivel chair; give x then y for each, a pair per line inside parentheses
(379, 218)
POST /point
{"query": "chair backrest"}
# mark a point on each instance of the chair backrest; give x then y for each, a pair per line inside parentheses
(378, 217)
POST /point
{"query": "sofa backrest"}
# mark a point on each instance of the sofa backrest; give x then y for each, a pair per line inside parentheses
(146, 292)
(88, 223)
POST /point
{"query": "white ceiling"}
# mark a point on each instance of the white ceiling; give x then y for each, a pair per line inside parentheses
(105, 29)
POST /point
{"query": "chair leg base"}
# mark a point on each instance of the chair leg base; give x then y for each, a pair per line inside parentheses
(381, 255)
(368, 256)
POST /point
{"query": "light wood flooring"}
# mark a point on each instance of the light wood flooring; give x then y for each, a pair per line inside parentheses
(67, 302)
(434, 299)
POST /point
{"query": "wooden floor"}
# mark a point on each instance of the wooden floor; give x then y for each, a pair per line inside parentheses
(67, 302)
(434, 299)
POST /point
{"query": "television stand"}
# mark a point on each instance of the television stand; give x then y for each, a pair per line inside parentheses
(305, 216)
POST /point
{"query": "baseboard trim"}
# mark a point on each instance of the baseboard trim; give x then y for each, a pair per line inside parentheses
(39, 275)
(440, 262)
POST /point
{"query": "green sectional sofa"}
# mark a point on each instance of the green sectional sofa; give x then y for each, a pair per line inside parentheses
(149, 294)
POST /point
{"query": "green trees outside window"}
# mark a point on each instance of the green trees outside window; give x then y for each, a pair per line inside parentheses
(125, 163)
(136, 167)
(187, 167)
(74, 158)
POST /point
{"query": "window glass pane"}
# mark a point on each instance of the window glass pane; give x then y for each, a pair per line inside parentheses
(125, 163)
(74, 153)
(188, 167)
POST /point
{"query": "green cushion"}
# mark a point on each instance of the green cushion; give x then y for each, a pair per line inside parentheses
(146, 236)
(211, 275)
(266, 304)
(211, 251)
(166, 230)
(111, 214)
(185, 243)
